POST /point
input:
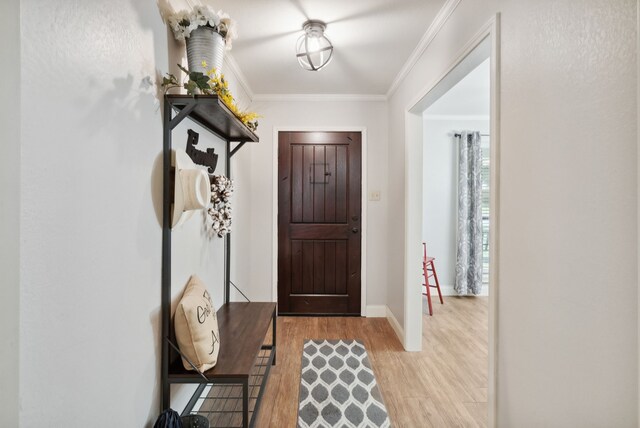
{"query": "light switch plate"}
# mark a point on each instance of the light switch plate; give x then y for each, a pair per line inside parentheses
(374, 195)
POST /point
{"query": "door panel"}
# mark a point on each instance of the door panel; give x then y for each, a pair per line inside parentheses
(319, 238)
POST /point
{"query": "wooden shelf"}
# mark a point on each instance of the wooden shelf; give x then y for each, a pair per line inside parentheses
(212, 114)
(243, 327)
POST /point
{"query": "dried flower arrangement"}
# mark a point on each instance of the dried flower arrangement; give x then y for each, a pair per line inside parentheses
(210, 83)
(184, 22)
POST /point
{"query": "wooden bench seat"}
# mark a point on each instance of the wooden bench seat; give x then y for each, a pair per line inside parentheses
(243, 327)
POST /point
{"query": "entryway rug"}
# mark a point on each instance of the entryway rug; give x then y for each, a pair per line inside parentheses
(338, 387)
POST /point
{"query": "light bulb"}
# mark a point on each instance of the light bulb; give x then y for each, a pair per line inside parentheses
(314, 44)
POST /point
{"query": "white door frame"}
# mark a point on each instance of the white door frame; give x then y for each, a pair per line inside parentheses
(363, 216)
(413, 206)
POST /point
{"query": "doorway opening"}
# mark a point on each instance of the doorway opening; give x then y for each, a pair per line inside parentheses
(455, 230)
(456, 213)
(420, 120)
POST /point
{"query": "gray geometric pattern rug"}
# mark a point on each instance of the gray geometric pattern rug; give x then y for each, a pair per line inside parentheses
(338, 388)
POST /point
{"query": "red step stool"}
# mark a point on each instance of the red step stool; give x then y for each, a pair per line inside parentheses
(429, 270)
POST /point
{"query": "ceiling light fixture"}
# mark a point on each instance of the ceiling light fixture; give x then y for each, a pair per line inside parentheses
(313, 49)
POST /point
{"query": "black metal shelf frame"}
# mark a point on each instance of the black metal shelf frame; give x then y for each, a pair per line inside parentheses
(210, 113)
(242, 398)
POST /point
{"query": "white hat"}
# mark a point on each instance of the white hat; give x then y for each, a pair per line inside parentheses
(192, 188)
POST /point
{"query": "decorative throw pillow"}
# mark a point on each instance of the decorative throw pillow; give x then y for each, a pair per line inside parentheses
(196, 327)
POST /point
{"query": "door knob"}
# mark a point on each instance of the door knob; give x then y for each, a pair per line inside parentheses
(355, 230)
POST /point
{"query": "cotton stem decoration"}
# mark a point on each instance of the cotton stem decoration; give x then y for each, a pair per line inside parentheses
(220, 211)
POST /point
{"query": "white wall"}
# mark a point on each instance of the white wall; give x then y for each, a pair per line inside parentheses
(440, 192)
(9, 212)
(326, 114)
(91, 198)
(567, 333)
(90, 255)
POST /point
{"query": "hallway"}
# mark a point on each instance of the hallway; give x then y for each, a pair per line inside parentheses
(442, 386)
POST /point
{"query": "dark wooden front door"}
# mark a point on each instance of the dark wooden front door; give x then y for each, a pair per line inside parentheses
(319, 217)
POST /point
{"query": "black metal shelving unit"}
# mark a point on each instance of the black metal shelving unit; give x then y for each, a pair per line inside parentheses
(237, 382)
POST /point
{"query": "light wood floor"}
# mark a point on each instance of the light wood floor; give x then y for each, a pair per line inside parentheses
(445, 385)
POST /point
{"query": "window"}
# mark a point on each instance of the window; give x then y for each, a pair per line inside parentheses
(485, 178)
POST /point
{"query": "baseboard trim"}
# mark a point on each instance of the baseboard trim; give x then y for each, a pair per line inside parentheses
(376, 311)
(447, 290)
(395, 325)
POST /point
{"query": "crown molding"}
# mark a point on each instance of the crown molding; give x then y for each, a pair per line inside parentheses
(232, 65)
(456, 117)
(438, 22)
(319, 97)
(433, 30)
